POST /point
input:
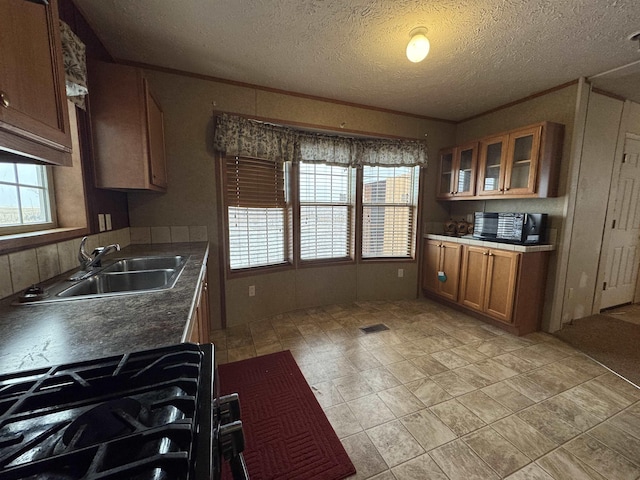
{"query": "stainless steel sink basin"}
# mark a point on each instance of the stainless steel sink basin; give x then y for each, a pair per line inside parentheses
(147, 263)
(117, 282)
(124, 276)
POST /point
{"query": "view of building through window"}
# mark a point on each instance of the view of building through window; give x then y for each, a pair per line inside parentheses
(24, 195)
(389, 208)
(260, 208)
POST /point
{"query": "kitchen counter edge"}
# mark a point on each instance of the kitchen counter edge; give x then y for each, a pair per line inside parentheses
(42, 335)
(469, 240)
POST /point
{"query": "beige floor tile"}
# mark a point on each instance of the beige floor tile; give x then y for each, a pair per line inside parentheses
(496, 452)
(364, 455)
(483, 406)
(571, 412)
(507, 396)
(469, 352)
(517, 364)
(265, 349)
(475, 376)
(618, 440)
(405, 371)
(386, 475)
(240, 353)
(496, 369)
(561, 465)
(428, 391)
(452, 383)
(428, 365)
(490, 348)
(526, 438)
(602, 459)
(529, 388)
(409, 350)
(428, 429)
(548, 423)
(401, 401)
(362, 360)
(449, 359)
(327, 394)
(627, 421)
(597, 399)
(584, 364)
(394, 442)
(457, 417)
(379, 379)
(352, 387)
(530, 472)
(386, 355)
(370, 411)
(342, 420)
(420, 468)
(264, 337)
(620, 386)
(458, 461)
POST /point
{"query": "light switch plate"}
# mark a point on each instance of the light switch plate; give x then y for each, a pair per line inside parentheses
(107, 219)
(101, 226)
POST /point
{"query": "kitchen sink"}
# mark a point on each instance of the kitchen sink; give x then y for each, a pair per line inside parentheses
(117, 282)
(173, 262)
(121, 277)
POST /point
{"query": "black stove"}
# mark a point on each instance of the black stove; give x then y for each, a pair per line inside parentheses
(145, 415)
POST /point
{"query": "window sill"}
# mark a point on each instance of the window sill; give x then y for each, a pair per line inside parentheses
(24, 241)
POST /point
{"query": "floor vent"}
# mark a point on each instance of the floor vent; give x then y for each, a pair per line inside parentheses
(380, 327)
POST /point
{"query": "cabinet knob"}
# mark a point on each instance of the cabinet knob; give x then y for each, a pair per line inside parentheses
(4, 99)
(501, 189)
(507, 189)
(485, 253)
(451, 193)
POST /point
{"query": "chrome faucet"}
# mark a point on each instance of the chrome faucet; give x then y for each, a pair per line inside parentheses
(94, 260)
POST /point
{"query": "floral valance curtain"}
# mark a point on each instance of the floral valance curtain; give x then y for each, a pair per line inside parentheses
(75, 65)
(244, 137)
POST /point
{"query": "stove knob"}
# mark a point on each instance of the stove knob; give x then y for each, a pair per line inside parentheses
(231, 439)
(228, 408)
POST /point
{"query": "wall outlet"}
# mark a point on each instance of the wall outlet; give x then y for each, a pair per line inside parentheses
(252, 290)
(107, 221)
(101, 225)
(400, 272)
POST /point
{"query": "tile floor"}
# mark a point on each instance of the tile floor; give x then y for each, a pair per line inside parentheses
(444, 396)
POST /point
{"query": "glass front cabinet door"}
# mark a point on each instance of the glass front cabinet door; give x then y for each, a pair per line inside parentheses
(445, 182)
(522, 161)
(458, 171)
(493, 153)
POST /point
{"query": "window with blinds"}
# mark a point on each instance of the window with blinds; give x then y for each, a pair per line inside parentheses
(389, 207)
(256, 202)
(325, 193)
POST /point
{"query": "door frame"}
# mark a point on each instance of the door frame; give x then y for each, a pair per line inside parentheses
(610, 216)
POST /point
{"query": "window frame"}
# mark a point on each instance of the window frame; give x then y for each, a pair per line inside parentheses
(415, 222)
(292, 227)
(351, 204)
(10, 230)
(225, 252)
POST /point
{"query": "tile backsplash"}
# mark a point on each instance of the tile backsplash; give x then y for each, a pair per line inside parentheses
(21, 269)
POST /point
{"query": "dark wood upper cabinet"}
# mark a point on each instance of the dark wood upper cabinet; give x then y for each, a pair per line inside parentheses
(34, 120)
(128, 132)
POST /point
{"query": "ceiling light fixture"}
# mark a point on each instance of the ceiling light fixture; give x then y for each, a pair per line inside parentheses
(418, 47)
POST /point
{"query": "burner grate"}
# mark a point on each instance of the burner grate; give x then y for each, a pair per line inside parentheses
(378, 327)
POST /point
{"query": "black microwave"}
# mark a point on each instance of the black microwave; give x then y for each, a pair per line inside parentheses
(521, 228)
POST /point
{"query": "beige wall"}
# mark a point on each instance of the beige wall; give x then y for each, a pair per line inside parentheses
(191, 197)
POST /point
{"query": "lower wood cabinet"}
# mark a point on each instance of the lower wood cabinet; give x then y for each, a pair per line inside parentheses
(488, 281)
(199, 322)
(441, 257)
(503, 287)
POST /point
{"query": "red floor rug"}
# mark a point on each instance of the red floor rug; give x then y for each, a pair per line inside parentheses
(287, 435)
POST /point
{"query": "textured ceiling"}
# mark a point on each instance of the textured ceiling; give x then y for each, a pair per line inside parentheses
(484, 53)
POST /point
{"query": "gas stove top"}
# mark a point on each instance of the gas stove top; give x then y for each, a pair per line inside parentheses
(144, 415)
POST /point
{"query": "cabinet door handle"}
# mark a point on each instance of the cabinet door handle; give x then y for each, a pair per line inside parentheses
(490, 254)
(485, 253)
(4, 99)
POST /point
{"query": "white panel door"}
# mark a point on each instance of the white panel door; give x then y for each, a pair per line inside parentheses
(623, 257)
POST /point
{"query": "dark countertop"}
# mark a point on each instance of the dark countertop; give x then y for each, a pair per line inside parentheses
(40, 335)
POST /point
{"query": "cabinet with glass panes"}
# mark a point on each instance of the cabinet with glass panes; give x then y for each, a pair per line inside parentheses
(458, 171)
(522, 163)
